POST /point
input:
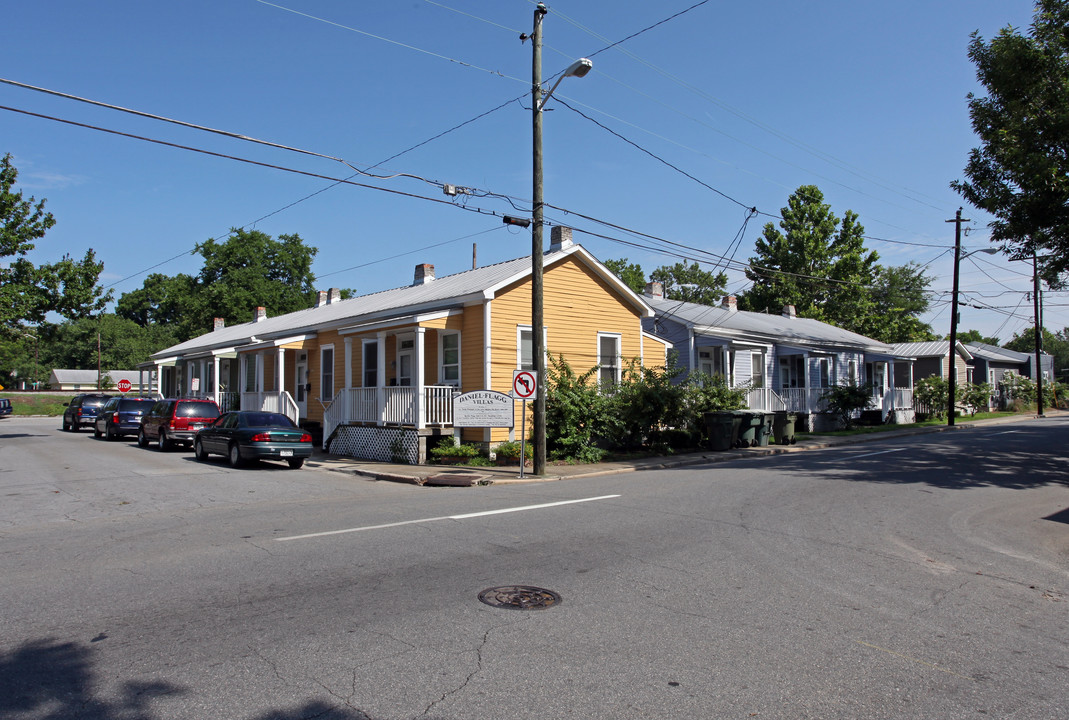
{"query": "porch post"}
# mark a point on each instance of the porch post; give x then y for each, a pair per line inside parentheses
(348, 363)
(281, 375)
(159, 380)
(380, 394)
(243, 375)
(421, 406)
(260, 379)
(215, 375)
(692, 350)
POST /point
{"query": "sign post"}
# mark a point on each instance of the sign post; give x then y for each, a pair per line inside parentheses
(524, 387)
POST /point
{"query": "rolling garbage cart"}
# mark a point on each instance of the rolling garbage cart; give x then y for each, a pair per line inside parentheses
(720, 426)
(783, 427)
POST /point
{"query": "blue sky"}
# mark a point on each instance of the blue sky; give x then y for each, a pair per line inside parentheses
(751, 100)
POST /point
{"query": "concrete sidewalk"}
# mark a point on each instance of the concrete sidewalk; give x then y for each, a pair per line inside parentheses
(464, 476)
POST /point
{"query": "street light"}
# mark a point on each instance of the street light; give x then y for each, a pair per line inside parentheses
(577, 69)
(958, 257)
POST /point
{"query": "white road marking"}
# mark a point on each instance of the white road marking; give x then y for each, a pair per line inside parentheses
(465, 516)
(881, 452)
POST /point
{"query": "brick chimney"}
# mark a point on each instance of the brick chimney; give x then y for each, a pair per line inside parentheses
(560, 238)
(261, 314)
(333, 295)
(321, 298)
(730, 303)
(789, 311)
(654, 289)
(218, 324)
(424, 274)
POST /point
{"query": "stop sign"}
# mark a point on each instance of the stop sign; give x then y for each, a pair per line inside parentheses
(123, 385)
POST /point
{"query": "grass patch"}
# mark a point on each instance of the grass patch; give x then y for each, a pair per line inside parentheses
(37, 403)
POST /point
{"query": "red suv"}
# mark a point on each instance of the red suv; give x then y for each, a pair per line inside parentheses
(172, 422)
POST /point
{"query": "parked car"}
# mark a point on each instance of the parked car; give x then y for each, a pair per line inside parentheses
(5, 407)
(121, 416)
(175, 421)
(250, 435)
(83, 410)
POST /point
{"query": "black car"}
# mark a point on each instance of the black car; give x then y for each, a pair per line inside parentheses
(83, 410)
(5, 407)
(252, 435)
(121, 416)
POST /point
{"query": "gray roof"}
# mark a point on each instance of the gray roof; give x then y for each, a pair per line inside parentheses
(931, 348)
(444, 292)
(762, 326)
(997, 354)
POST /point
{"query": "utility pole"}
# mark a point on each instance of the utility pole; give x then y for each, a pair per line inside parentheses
(1039, 334)
(953, 356)
(538, 349)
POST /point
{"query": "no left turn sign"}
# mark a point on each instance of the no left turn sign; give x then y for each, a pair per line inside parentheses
(524, 384)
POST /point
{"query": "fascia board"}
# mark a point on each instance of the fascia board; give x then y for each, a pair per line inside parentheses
(413, 319)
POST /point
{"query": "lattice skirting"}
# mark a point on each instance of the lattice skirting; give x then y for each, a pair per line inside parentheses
(383, 444)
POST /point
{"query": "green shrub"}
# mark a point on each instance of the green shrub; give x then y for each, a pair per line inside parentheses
(447, 448)
(976, 396)
(846, 399)
(934, 393)
(510, 450)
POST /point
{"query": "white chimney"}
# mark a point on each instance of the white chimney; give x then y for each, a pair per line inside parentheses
(424, 274)
(334, 295)
(261, 314)
(560, 238)
(654, 289)
(321, 298)
(789, 311)
(730, 303)
(218, 324)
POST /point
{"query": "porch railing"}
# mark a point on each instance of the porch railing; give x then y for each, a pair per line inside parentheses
(803, 400)
(764, 399)
(280, 402)
(390, 406)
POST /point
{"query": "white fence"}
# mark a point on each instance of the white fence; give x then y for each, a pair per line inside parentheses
(399, 406)
(280, 402)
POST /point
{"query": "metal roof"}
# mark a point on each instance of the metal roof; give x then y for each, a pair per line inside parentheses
(762, 326)
(998, 354)
(931, 348)
(443, 292)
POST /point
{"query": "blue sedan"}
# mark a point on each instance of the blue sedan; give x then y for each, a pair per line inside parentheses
(251, 435)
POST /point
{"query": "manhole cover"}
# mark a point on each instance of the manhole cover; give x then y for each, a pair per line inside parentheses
(520, 597)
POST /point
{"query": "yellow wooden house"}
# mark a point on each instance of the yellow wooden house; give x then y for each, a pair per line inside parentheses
(378, 372)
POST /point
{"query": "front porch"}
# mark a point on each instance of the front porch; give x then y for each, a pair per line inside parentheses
(389, 424)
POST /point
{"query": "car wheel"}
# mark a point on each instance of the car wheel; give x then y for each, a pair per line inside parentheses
(142, 441)
(199, 451)
(164, 443)
(295, 463)
(108, 434)
(96, 432)
(66, 426)
(234, 455)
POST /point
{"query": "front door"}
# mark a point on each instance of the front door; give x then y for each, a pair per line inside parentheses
(300, 384)
(406, 347)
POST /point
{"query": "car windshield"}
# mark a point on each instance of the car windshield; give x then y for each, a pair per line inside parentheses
(196, 410)
(262, 419)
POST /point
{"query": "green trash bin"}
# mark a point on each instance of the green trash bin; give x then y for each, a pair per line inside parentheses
(783, 427)
(763, 429)
(719, 426)
(748, 424)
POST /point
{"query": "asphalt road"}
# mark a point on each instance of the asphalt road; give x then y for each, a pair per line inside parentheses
(922, 577)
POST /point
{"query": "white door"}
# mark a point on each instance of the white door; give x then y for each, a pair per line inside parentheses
(300, 384)
(406, 348)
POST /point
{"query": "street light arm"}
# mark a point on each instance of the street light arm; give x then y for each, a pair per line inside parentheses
(579, 68)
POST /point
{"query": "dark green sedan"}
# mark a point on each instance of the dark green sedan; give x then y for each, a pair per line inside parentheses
(250, 435)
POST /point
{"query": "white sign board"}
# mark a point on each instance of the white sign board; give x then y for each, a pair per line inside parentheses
(484, 408)
(524, 384)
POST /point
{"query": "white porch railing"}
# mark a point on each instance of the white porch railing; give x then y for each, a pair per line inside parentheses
(764, 399)
(390, 406)
(280, 402)
(803, 400)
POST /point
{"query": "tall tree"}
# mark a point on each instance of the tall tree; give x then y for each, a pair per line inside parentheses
(690, 283)
(123, 343)
(1020, 173)
(28, 292)
(247, 270)
(899, 299)
(814, 262)
(1054, 344)
(975, 336)
(630, 273)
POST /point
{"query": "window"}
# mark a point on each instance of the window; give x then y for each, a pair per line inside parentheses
(326, 371)
(711, 361)
(851, 371)
(371, 363)
(757, 368)
(449, 372)
(525, 350)
(608, 359)
(250, 373)
(824, 372)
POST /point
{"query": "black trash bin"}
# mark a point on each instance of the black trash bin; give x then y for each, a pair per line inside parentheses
(748, 424)
(783, 427)
(719, 426)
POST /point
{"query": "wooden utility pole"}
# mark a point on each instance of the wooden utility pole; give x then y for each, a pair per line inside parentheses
(1038, 305)
(953, 358)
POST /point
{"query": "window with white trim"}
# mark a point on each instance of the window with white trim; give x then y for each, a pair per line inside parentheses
(326, 372)
(449, 354)
(524, 348)
(250, 373)
(608, 359)
(757, 368)
(824, 371)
